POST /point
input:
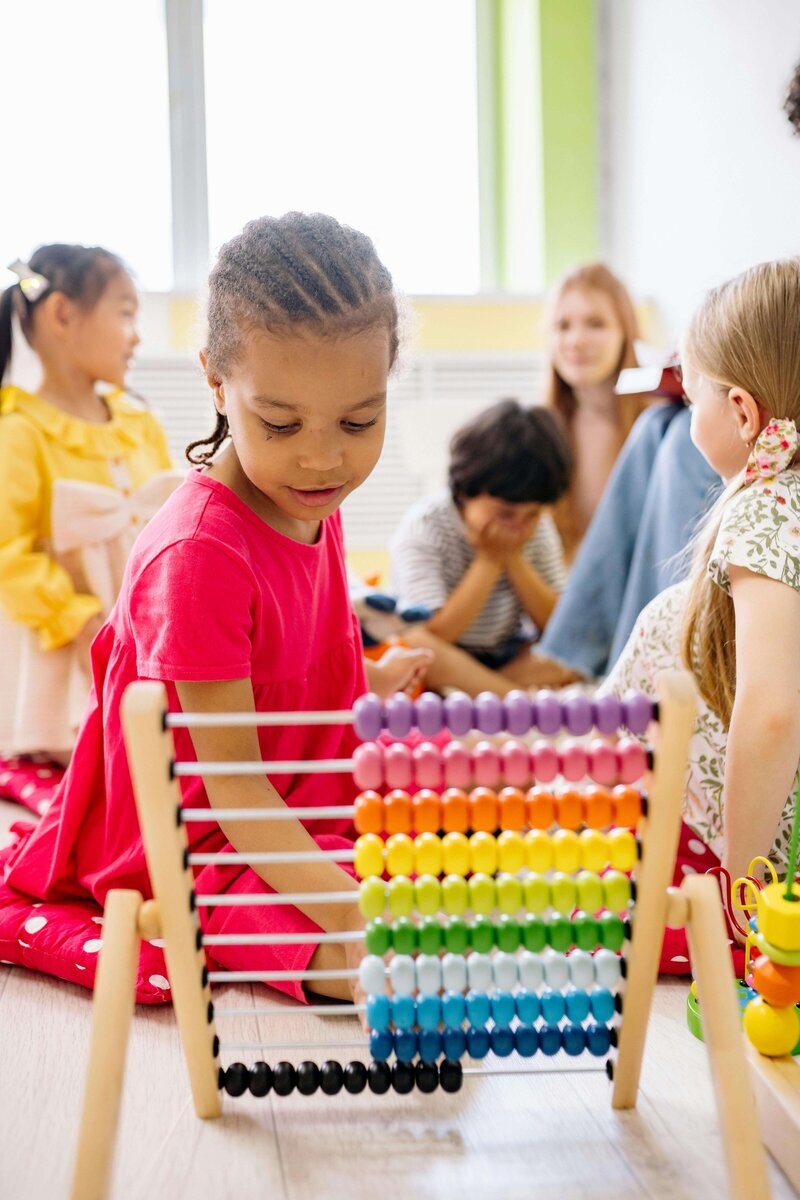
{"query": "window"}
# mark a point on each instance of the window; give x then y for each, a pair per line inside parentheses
(87, 149)
(366, 109)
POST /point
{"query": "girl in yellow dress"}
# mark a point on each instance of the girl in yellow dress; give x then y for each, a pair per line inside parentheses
(80, 472)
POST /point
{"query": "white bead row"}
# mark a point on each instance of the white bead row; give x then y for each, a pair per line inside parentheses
(428, 973)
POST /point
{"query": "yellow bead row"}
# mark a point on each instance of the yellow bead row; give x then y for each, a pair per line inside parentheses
(487, 853)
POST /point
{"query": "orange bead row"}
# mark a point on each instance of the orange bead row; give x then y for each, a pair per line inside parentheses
(484, 810)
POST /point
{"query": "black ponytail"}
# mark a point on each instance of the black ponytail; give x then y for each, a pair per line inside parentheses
(6, 319)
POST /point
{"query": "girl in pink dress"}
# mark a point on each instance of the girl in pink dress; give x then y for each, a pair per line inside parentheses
(236, 596)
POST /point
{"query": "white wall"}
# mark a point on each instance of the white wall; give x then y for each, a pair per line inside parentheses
(702, 164)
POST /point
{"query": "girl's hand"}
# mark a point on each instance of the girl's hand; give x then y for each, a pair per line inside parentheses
(398, 669)
(353, 954)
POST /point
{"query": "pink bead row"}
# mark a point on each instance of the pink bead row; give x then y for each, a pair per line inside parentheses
(487, 765)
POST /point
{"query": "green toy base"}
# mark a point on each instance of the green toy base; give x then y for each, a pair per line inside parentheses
(743, 995)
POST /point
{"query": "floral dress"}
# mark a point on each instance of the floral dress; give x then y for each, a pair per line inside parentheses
(760, 530)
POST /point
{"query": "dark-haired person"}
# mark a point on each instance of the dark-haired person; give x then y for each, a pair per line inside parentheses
(484, 555)
(80, 473)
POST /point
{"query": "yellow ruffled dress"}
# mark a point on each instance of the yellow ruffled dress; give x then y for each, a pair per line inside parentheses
(73, 497)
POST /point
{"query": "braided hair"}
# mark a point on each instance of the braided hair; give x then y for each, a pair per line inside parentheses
(301, 269)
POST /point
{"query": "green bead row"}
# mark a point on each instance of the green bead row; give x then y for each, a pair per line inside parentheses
(507, 933)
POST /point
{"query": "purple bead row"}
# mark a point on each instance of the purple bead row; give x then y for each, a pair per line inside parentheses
(517, 714)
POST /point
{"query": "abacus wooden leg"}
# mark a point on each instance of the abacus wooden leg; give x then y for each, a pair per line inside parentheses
(777, 1089)
(722, 1033)
(114, 996)
(662, 833)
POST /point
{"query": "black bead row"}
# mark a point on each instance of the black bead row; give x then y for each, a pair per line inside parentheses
(332, 1076)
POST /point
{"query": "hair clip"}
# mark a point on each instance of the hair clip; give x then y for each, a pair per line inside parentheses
(31, 283)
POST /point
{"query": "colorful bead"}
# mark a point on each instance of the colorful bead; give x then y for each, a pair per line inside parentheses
(627, 806)
(368, 714)
(516, 765)
(506, 970)
(556, 969)
(482, 893)
(508, 934)
(430, 1045)
(478, 1006)
(569, 809)
(577, 1003)
(355, 1078)
(611, 931)
(403, 1077)
(379, 1011)
(398, 714)
(637, 711)
(457, 765)
(607, 713)
(577, 710)
(586, 931)
(455, 854)
(537, 893)
(534, 933)
(531, 970)
(398, 765)
(379, 1077)
(368, 855)
(581, 969)
(402, 975)
(773, 1031)
(400, 896)
(428, 769)
(633, 760)
(591, 891)
(455, 895)
(479, 972)
(607, 969)
(594, 850)
(510, 851)
(454, 972)
(511, 809)
(547, 712)
(368, 816)
(371, 897)
(404, 1012)
(426, 811)
(598, 808)
(553, 1006)
(573, 1039)
(427, 895)
(331, 1077)
(538, 851)
(429, 714)
(545, 761)
(458, 713)
(603, 762)
(454, 1010)
(478, 1042)
(598, 1040)
(574, 761)
(486, 765)
(404, 936)
(566, 851)
(509, 894)
(617, 891)
(502, 1041)
(378, 937)
(368, 766)
(503, 1007)
(450, 1076)
(527, 1006)
(454, 1044)
(284, 1078)
(563, 892)
(482, 935)
(526, 1041)
(455, 810)
(428, 853)
(456, 935)
(602, 1004)
(549, 1040)
(236, 1079)
(518, 712)
(405, 1045)
(381, 1044)
(372, 974)
(429, 935)
(429, 1011)
(400, 855)
(779, 985)
(488, 713)
(541, 808)
(397, 811)
(483, 810)
(622, 851)
(429, 972)
(559, 933)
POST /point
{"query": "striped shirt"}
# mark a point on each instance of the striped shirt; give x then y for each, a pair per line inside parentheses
(430, 554)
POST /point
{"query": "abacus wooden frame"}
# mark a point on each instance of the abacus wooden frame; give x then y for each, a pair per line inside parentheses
(171, 915)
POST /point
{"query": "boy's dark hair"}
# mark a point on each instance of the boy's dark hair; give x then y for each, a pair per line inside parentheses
(301, 269)
(80, 272)
(512, 453)
(791, 103)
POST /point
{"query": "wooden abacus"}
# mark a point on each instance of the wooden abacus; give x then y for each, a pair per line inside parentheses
(525, 949)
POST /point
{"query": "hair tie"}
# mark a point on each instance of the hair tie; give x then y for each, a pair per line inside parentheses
(774, 450)
(31, 283)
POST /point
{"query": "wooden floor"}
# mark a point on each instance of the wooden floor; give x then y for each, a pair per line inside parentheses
(549, 1135)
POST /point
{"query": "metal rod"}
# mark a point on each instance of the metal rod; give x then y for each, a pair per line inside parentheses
(281, 939)
(267, 899)
(598, 1070)
(327, 1044)
(229, 857)
(314, 766)
(183, 720)
(267, 814)
(277, 976)
(316, 1010)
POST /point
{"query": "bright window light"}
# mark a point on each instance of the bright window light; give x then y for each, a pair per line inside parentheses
(87, 147)
(365, 109)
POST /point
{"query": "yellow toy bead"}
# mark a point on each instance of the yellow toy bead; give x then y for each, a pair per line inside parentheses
(428, 854)
(536, 891)
(591, 892)
(483, 853)
(400, 896)
(509, 894)
(594, 850)
(566, 851)
(510, 852)
(617, 891)
(622, 849)
(369, 856)
(773, 1031)
(482, 894)
(400, 859)
(455, 854)
(538, 851)
(427, 895)
(455, 895)
(563, 893)
(779, 918)
(372, 898)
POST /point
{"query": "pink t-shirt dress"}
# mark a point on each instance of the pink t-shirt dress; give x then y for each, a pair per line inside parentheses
(210, 593)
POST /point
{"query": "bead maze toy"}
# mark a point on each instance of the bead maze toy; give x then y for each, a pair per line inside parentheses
(505, 878)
